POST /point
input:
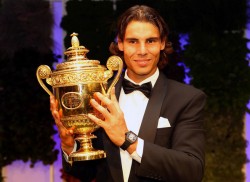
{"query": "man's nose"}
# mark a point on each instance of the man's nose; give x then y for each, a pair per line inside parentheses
(142, 49)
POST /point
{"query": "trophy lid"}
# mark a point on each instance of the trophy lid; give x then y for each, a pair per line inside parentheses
(76, 56)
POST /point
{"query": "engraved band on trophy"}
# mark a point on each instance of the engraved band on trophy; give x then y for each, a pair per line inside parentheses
(74, 82)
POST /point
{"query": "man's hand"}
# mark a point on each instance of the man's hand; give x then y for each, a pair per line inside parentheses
(66, 135)
(113, 121)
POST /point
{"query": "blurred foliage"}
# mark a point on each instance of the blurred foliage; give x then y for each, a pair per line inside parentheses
(26, 124)
(217, 57)
(218, 66)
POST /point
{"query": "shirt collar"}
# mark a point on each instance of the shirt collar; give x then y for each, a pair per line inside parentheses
(151, 79)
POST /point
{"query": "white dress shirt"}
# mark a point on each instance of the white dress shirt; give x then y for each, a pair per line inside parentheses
(133, 106)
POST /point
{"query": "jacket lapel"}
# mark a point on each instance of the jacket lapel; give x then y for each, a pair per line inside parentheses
(153, 110)
(150, 119)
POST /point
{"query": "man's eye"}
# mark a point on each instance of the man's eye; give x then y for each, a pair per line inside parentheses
(132, 41)
(150, 41)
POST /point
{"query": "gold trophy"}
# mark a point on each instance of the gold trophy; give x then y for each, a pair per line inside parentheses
(74, 82)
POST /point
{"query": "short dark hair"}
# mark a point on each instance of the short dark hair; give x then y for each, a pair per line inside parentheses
(144, 14)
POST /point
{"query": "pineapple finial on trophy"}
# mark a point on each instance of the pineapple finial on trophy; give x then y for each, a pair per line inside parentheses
(74, 40)
(76, 52)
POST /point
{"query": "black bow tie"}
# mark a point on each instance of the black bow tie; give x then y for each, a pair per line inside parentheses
(129, 87)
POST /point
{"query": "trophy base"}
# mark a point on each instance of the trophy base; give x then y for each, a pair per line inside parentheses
(87, 155)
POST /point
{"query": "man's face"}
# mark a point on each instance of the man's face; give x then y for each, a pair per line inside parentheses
(141, 46)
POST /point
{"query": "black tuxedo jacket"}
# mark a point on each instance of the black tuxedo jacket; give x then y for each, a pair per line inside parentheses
(172, 154)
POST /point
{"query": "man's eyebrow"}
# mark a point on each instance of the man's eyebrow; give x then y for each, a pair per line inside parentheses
(131, 38)
(149, 38)
(155, 38)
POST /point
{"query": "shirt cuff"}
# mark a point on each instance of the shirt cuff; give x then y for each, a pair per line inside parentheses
(137, 154)
(65, 155)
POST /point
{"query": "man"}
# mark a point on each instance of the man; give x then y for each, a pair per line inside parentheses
(152, 136)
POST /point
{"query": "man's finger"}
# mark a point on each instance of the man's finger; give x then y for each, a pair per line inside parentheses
(96, 120)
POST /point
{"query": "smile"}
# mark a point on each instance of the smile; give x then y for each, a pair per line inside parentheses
(142, 62)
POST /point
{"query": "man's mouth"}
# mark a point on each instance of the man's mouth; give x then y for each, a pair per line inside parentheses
(142, 62)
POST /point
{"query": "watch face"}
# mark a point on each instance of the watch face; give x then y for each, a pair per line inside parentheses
(131, 137)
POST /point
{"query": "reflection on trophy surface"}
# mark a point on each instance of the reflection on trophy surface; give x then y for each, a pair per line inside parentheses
(74, 82)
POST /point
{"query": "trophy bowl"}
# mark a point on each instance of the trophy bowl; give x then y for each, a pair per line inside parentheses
(74, 82)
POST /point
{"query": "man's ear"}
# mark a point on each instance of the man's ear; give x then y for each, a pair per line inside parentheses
(163, 44)
(120, 44)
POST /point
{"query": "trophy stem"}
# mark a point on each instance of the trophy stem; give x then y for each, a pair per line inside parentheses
(86, 151)
(86, 141)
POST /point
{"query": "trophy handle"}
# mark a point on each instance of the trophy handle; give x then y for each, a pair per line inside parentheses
(44, 72)
(114, 63)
